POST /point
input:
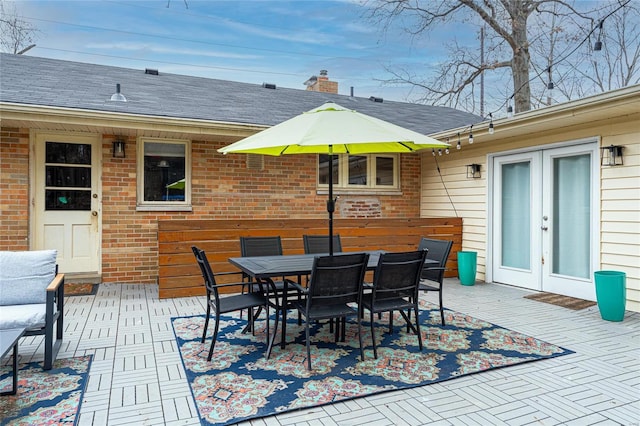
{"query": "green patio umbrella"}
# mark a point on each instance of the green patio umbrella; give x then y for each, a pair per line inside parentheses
(332, 129)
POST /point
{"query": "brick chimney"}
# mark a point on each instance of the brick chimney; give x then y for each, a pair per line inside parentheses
(321, 83)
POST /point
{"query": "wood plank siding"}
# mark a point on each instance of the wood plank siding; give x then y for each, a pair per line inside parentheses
(179, 274)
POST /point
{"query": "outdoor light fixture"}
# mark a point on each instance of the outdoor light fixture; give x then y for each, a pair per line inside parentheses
(473, 171)
(118, 97)
(611, 155)
(118, 148)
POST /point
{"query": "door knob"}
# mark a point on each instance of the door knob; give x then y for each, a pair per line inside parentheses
(94, 213)
(544, 228)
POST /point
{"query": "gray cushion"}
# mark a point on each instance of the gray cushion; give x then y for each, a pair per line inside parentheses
(27, 316)
(25, 275)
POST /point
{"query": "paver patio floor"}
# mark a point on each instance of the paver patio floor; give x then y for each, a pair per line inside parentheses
(137, 376)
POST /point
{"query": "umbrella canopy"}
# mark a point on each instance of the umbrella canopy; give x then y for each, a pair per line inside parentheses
(179, 184)
(332, 129)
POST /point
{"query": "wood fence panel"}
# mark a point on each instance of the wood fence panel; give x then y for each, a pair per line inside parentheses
(179, 274)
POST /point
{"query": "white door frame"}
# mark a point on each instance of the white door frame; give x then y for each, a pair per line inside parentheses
(35, 221)
(595, 222)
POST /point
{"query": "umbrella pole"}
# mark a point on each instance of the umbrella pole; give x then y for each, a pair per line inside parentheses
(331, 204)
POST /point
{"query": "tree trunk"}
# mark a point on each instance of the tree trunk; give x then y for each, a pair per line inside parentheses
(520, 63)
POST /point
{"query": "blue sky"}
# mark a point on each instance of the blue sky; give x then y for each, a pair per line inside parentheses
(281, 42)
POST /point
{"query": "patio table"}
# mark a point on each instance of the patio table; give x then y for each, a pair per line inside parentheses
(266, 268)
(9, 341)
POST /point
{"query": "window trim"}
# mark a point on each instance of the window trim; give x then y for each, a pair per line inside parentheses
(343, 184)
(141, 204)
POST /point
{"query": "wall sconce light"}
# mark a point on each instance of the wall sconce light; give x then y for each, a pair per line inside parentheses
(611, 155)
(473, 171)
(118, 148)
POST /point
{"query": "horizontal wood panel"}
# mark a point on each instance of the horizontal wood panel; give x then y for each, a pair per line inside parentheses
(220, 239)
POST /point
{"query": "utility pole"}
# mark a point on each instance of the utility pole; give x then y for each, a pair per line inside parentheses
(482, 73)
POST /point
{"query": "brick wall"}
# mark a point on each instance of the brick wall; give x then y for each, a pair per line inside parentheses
(223, 187)
(14, 189)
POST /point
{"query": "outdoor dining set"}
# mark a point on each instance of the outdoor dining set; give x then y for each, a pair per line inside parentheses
(322, 286)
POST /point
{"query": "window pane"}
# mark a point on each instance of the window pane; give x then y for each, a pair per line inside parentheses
(357, 170)
(67, 200)
(384, 171)
(68, 153)
(323, 169)
(572, 216)
(164, 172)
(79, 177)
(516, 219)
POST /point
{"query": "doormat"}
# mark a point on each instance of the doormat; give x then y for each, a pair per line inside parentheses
(239, 384)
(80, 289)
(572, 303)
(50, 397)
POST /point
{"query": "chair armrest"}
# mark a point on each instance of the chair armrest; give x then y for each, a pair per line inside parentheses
(299, 287)
(218, 274)
(53, 286)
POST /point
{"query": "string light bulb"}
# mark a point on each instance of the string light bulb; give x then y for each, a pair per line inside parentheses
(446, 150)
(433, 152)
(458, 146)
(598, 44)
(491, 124)
(471, 135)
(440, 151)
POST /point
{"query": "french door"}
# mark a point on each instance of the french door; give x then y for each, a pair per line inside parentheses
(545, 224)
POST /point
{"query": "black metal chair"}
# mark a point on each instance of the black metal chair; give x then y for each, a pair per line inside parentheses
(319, 244)
(433, 276)
(336, 282)
(269, 246)
(395, 288)
(221, 305)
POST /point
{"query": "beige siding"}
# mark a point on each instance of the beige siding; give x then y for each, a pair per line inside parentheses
(620, 188)
(620, 211)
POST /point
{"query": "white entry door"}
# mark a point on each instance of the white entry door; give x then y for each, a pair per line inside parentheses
(545, 223)
(66, 204)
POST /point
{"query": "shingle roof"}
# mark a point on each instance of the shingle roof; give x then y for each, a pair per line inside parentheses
(58, 83)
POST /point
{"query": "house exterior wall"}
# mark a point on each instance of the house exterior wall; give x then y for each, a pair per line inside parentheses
(619, 192)
(223, 187)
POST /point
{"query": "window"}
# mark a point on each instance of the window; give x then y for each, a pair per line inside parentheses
(163, 174)
(360, 172)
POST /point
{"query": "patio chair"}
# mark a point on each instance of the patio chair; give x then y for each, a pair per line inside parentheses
(222, 305)
(32, 297)
(433, 276)
(319, 244)
(395, 288)
(269, 246)
(336, 282)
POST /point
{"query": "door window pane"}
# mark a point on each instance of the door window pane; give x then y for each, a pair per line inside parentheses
(572, 216)
(67, 176)
(516, 215)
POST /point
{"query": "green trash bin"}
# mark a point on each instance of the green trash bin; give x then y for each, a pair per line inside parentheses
(611, 294)
(467, 266)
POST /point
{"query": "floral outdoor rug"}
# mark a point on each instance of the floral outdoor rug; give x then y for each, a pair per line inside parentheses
(50, 397)
(240, 384)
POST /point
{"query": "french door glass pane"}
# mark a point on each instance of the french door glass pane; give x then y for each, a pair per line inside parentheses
(572, 216)
(516, 215)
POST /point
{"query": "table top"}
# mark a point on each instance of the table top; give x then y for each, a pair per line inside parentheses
(291, 264)
(8, 338)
